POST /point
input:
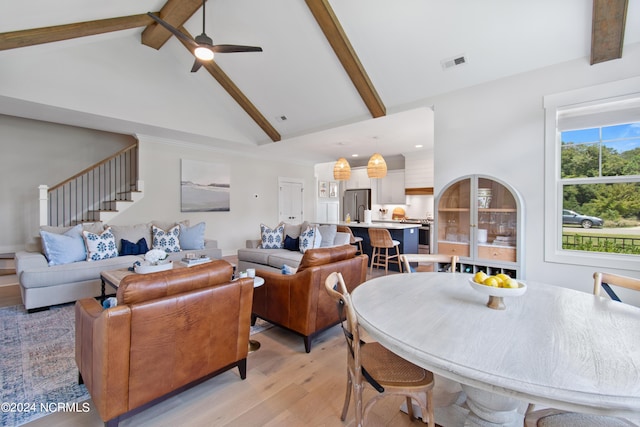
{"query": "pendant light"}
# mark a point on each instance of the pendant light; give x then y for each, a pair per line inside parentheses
(341, 170)
(377, 167)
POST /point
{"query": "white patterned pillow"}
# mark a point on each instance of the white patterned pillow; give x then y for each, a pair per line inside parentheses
(310, 238)
(167, 241)
(100, 246)
(272, 238)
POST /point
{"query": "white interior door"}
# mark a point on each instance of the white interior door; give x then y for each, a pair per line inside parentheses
(291, 200)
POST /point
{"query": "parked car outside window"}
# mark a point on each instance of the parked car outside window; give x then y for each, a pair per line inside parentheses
(585, 221)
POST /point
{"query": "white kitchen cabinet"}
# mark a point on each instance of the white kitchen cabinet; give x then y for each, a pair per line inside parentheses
(391, 188)
(328, 212)
(359, 179)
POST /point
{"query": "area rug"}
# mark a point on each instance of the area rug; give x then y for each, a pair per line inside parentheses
(37, 362)
(37, 366)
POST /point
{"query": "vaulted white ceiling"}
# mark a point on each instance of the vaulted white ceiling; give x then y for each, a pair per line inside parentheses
(113, 82)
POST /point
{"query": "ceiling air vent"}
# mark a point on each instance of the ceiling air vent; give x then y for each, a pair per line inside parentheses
(453, 62)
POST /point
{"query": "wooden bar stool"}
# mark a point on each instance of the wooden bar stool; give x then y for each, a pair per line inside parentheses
(381, 239)
(353, 240)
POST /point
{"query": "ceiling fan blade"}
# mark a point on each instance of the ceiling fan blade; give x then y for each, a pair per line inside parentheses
(174, 31)
(230, 48)
(196, 65)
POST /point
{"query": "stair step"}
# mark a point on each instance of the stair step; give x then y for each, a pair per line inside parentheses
(102, 210)
(109, 205)
(7, 264)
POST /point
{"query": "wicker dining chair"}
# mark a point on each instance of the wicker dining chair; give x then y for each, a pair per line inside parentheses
(604, 280)
(371, 363)
(380, 239)
(434, 259)
(353, 240)
(558, 418)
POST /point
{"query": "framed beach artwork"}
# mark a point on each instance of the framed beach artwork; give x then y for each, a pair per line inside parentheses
(205, 186)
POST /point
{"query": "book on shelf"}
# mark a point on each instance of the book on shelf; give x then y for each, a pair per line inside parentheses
(195, 261)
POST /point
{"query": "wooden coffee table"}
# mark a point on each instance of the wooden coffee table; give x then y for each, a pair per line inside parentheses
(113, 279)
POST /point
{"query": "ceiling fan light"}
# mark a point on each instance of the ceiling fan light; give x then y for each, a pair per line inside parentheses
(377, 167)
(341, 170)
(203, 53)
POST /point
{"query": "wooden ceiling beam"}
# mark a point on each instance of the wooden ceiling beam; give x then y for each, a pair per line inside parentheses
(235, 92)
(607, 31)
(176, 13)
(328, 22)
(35, 36)
(154, 35)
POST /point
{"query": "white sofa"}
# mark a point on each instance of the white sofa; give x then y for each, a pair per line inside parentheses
(43, 285)
(254, 256)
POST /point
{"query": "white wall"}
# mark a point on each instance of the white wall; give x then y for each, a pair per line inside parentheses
(250, 175)
(497, 129)
(35, 153)
(327, 208)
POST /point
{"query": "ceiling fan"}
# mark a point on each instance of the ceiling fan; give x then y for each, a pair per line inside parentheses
(203, 46)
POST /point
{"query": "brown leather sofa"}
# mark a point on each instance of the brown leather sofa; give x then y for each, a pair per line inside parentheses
(299, 302)
(169, 331)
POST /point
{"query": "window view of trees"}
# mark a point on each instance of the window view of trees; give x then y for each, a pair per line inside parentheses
(600, 176)
(617, 204)
(601, 157)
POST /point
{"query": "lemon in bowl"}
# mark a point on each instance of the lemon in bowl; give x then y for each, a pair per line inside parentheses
(480, 276)
(508, 288)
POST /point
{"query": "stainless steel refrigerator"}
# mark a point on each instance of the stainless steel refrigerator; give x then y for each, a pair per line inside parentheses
(355, 202)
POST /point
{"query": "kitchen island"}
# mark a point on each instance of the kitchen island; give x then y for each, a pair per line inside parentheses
(405, 233)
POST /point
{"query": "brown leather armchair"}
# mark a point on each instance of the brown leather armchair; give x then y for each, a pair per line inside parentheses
(298, 302)
(170, 330)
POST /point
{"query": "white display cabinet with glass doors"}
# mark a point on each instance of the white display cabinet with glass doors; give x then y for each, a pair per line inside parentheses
(480, 219)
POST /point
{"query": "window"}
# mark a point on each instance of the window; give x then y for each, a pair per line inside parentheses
(601, 152)
(599, 174)
(592, 162)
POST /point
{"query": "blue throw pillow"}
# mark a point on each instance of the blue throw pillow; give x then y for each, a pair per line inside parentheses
(192, 238)
(138, 248)
(292, 244)
(64, 248)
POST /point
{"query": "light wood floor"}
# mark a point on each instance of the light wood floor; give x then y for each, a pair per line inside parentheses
(10, 295)
(284, 387)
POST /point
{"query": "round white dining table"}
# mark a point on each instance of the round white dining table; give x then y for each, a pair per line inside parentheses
(553, 346)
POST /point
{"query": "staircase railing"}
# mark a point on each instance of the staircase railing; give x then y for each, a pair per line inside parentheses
(96, 188)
